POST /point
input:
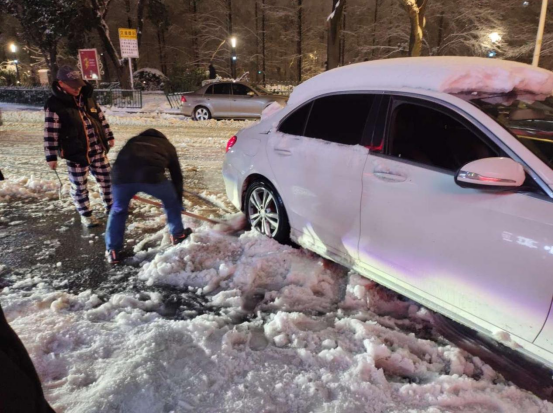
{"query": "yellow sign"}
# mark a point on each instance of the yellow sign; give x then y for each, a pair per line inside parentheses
(128, 42)
(127, 33)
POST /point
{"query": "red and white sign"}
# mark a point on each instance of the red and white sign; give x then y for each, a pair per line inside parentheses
(90, 67)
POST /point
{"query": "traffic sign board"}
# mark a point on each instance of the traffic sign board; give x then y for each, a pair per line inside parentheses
(128, 42)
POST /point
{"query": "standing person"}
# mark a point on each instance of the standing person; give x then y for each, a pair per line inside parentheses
(20, 387)
(76, 129)
(212, 71)
(140, 168)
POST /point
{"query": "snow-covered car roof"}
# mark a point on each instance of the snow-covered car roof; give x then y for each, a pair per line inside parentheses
(441, 74)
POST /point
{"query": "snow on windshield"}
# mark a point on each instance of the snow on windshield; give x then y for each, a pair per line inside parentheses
(441, 74)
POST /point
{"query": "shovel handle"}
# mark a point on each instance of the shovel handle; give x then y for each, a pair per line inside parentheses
(195, 216)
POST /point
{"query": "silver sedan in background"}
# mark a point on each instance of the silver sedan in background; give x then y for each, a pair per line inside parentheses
(228, 100)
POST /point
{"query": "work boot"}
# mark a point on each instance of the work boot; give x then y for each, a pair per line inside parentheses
(113, 257)
(89, 221)
(180, 238)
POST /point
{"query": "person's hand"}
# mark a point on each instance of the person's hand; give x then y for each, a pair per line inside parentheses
(111, 143)
(53, 164)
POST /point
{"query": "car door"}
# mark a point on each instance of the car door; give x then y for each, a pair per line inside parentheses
(245, 101)
(480, 254)
(219, 98)
(318, 163)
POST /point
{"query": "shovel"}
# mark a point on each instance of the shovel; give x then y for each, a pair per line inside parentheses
(233, 225)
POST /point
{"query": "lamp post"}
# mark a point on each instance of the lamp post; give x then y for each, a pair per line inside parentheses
(495, 39)
(539, 37)
(13, 49)
(233, 56)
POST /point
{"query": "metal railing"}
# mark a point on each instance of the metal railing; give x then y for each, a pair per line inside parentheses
(174, 99)
(38, 96)
(129, 99)
(284, 88)
(32, 96)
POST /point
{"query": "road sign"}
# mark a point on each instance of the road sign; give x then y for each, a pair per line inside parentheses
(128, 42)
(89, 65)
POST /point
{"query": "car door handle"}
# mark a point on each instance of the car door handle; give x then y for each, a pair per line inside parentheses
(389, 176)
(284, 152)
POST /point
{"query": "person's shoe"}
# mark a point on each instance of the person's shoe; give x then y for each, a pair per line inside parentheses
(182, 237)
(89, 221)
(113, 257)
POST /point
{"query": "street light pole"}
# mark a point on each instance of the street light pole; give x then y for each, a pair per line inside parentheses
(539, 37)
(233, 56)
(13, 49)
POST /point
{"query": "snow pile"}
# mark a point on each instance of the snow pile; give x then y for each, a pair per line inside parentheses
(23, 116)
(24, 187)
(286, 279)
(121, 356)
(442, 74)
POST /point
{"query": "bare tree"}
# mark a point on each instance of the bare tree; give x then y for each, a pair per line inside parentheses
(159, 16)
(299, 40)
(44, 24)
(100, 9)
(334, 33)
(416, 10)
(140, 19)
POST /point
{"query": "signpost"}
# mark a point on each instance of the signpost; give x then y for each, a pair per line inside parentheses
(89, 64)
(128, 41)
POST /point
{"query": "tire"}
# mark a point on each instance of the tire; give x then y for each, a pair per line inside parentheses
(202, 113)
(265, 211)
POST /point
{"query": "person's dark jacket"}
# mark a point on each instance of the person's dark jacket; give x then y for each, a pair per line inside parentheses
(212, 72)
(20, 388)
(72, 138)
(145, 158)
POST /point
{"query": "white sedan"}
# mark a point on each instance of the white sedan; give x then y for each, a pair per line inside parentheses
(431, 176)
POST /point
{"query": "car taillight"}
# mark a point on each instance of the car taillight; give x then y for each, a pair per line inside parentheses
(182, 99)
(231, 142)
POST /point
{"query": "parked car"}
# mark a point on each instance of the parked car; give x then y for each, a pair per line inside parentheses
(228, 100)
(433, 177)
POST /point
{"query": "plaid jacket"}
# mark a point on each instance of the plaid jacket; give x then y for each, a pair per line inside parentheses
(52, 127)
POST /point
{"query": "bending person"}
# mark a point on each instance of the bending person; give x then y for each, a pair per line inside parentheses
(140, 168)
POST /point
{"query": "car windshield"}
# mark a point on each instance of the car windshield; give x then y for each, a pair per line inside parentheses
(528, 117)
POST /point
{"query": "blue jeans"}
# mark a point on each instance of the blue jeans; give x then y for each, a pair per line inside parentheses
(122, 195)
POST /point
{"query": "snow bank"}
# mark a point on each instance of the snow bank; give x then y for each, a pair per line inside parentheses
(442, 74)
(121, 356)
(24, 187)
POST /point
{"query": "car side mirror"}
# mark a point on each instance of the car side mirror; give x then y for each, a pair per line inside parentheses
(251, 94)
(501, 174)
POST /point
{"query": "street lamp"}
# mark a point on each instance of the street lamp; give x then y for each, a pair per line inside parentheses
(495, 37)
(233, 56)
(13, 49)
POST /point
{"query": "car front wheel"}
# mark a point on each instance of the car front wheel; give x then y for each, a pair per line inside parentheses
(265, 211)
(201, 113)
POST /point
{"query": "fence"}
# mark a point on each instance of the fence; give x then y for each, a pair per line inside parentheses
(284, 88)
(38, 96)
(174, 99)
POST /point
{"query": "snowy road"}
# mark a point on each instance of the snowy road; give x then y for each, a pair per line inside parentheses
(218, 323)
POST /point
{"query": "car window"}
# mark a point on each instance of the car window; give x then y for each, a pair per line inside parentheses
(209, 90)
(427, 136)
(240, 90)
(223, 88)
(339, 118)
(294, 124)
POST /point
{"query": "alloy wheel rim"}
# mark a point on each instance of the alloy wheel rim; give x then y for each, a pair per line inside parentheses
(263, 212)
(201, 114)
